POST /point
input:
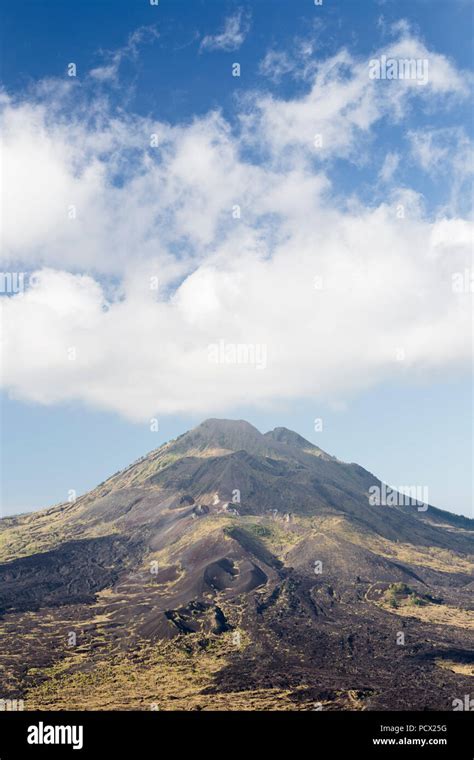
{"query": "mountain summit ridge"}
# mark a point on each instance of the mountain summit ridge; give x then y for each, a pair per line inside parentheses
(240, 435)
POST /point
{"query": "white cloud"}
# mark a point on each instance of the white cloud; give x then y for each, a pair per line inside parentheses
(276, 64)
(389, 167)
(236, 28)
(248, 251)
(442, 150)
(446, 153)
(109, 72)
(343, 104)
(331, 310)
(298, 60)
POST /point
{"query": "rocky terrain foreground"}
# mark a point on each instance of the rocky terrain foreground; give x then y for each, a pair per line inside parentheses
(231, 570)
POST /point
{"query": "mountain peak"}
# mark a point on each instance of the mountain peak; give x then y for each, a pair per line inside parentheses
(296, 441)
(284, 435)
(214, 433)
(216, 425)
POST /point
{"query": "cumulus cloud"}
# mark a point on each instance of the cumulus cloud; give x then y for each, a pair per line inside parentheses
(331, 311)
(182, 240)
(236, 28)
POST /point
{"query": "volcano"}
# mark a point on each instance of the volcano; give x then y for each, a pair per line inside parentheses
(235, 570)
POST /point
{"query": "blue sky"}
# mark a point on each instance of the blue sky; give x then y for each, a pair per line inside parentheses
(340, 263)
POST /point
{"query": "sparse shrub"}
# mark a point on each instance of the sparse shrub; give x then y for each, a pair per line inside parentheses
(259, 530)
(416, 600)
(401, 589)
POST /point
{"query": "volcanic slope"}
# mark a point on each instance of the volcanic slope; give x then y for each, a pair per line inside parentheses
(234, 570)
